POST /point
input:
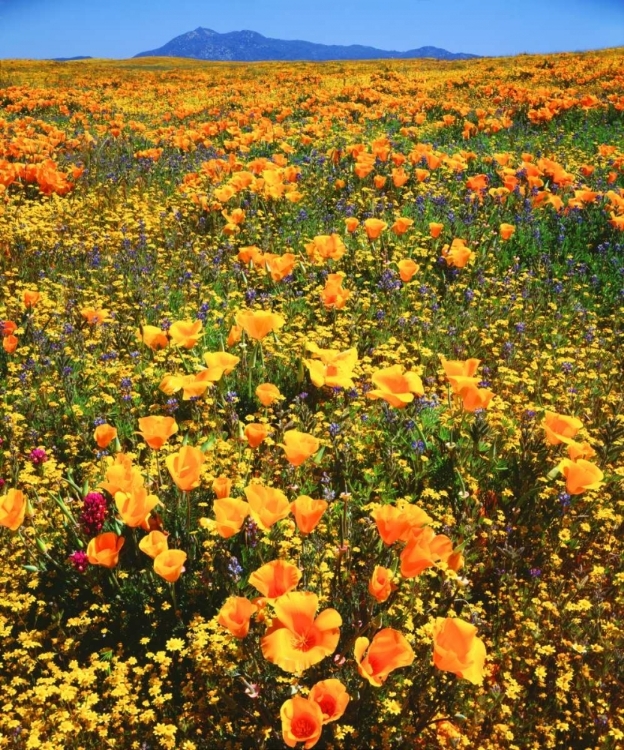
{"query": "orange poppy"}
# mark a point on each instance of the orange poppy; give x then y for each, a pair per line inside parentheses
(9, 343)
(466, 368)
(104, 435)
(396, 522)
(435, 228)
(95, 316)
(268, 394)
(280, 266)
(135, 506)
(379, 181)
(325, 247)
(276, 578)
(407, 268)
(297, 639)
(267, 504)
(580, 450)
(581, 475)
(333, 295)
(185, 467)
(234, 336)
(12, 509)
(153, 337)
(380, 585)
(258, 324)
(302, 721)
(256, 433)
(169, 564)
(506, 231)
(307, 513)
(104, 549)
(230, 513)
(219, 364)
(186, 333)
(423, 550)
(389, 650)
(299, 446)
(31, 298)
(335, 368)
(472, 396)
(222, 486)
(457, 649)
(154, 543)
(235, 615)
(374, 228)
(157, 430)
(395, 386)
(352, 224)
(121, 475)
(560, 428)
(457, 254)
(401, 225)
(7, 327)
(332, 698)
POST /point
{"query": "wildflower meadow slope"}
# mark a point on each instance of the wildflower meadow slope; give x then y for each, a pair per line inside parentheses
(312, 416)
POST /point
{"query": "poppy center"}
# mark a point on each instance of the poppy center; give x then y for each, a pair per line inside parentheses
(305, 641)
(328, 705)
(303, 727)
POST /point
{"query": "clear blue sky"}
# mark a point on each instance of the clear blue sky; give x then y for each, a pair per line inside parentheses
(122, 28)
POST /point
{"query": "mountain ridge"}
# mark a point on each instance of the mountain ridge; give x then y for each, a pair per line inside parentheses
(250, 46)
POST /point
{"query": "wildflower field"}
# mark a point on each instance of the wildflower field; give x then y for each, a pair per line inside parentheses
(312, 404)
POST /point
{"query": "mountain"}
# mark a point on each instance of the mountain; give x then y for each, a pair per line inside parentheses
(249, 46)
(70, 59)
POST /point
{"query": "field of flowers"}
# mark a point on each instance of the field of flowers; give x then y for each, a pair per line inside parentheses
(312, 405)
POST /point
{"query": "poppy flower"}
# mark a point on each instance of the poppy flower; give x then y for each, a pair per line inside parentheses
(235, 615)
(389, 650)
(234, 336)
(104, 435)
(395, 523)
(170, 564)
(95, 316)
(307, 513)
(267, 504)
(154, 543)
(280, 266)
(276, 578)
(12, 509)
(472, 396)
(134, 507)
(7, 327)
(230, 513)
(423, 550)
(220, 363)
(185, 333)
(325, 247)
(297, 639)
(581, 475)
(401, 225)
(185, 467)
(506, 231)
(104, 549)
(256, 433)
(560, 428)
(222, 486)
(435, 229)
(121, 475)
(332, 698)
(466, 368)
(579, 450)
(31, 298)
(268, 394)
(259, 323)
(153, 337)
(157, 430)
(351, 224)
(302, 721)
(9, 343)
(395, 386)
(457, 649)
(299, 446)
(379, 181)
(457, 254)
(333, 295)
(407, 268)
(380, 585)
(335, 369)
(374, 228)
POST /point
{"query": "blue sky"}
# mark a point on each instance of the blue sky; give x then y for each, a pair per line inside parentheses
(122, 28)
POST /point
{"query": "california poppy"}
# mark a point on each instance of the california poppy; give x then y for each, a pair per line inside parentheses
(299, 446)
(268, 505)
(12, 509)
(121, 475)
(235, 615)
(257, 324)
(395, 523)
(395, 386)
(95, 316)
(334, 296)
(230, 513)
(153, 337)
(380, 585)
(457, 649)
(560, 428)
(169, 564)
(302, 721)
(275, 578)
(401, 225)
(268, 394)
(307, 513)
(185, 333)
(220, 363)
(135, 506)
(104, 549)
(9, 343)
(351, 224)
(185, 467)
(465, 368)
(325, 247)
(104, 435)
(581, 475)
(157, 430)
(457, 254)
(297, 639)
(374, 228)
(256, 433)
(506, 231)
(407, 268)
(332, 698)
(31, 298)
(435, 228)
(423, 550)
(388, 650)
(154, 543)
(222, 486)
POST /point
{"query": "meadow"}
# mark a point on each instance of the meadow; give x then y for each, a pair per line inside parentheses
(312, 416)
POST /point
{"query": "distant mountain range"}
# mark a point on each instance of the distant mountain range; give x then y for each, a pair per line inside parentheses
(69, 59)
(249, 46)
